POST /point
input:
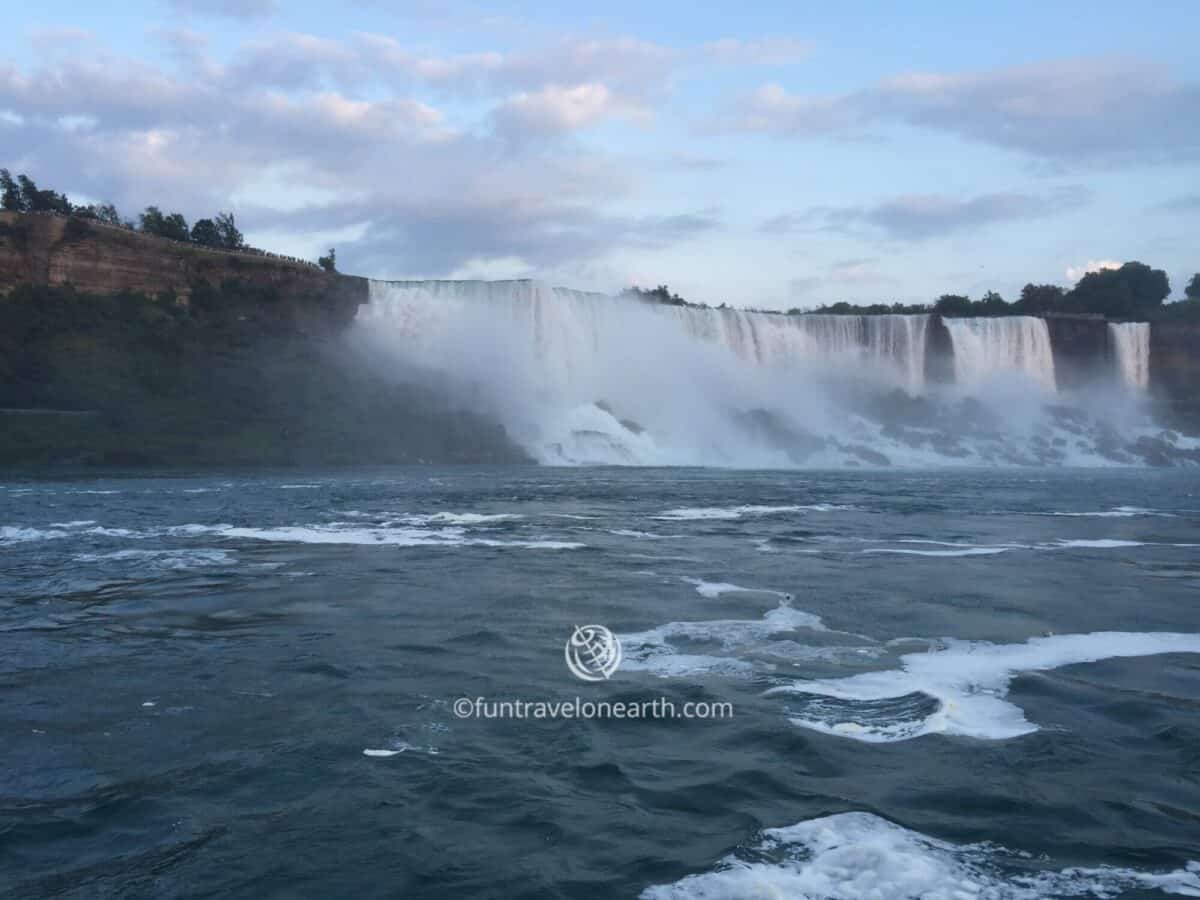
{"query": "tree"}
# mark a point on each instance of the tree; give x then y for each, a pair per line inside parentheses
(10, 194)
(29, 193)
(205, 233)
(1037, 299)
(953, 305)
(991, 304)
(227, 230)
(107, 213)
(1132, 291)
(176, 227)
(151, 220)
(1192, 291)
(328, 263)
(172, 226)
(32, 199)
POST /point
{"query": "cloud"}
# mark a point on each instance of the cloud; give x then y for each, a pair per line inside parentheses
(788, 223)
(778, 51)
(555, 110)
(1185, 204)
(303, 137)
(1074, 273)
(681, 159)
(1106, 110)
(919, 216)
(58, 38)
(233, 9)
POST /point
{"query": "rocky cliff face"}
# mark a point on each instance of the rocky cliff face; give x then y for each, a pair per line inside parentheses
(1082, 354)
(100, 259)
(1175, 371)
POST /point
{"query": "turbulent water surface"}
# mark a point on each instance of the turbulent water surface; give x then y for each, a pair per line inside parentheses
(945, 684)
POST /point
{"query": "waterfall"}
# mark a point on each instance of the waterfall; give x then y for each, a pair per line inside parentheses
(578, 377)
(899, 341)
(988, 346)
(570, 331)
(1130, 342)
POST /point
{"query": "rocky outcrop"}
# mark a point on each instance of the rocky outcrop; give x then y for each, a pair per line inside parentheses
(1175, 371)
(42, 249)
(939, 353)
(1082, 355)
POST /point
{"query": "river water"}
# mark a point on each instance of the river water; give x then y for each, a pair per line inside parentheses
(942, 684)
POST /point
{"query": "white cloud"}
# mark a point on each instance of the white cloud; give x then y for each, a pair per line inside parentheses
(1095, 110)
(918, 216)
(306, 138)
(554, 110)
(1074, 273)
(778, 51)
(233, 9)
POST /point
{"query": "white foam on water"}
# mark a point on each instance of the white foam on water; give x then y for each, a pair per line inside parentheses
(16, 534)
(165, 558)
(1100, 544)
(861, 856)
(665, 651)
(1117, 512)
(78, 523)
(297, 487)
(714, 589)
(341, 533)
(966, 551)
(453, 518)
(645, 535)
(93, 492)
(737, 512)
(383, 753)
(968, 679)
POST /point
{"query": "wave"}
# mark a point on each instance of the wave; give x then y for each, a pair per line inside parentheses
(163, 559)
(968, 679)
(966, 551)
(737, 512)
(384, 536)
(16, 534)
(856, 855)
(713, 589)
(1117, 512)
(734, 647)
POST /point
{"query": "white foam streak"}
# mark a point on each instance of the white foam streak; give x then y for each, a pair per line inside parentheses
(665, 650)
(860, 856)
(969, 681)
(737, 512)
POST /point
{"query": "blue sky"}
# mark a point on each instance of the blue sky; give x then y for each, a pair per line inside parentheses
(768, 154)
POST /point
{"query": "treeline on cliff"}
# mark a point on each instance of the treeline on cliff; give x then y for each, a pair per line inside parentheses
(22, 194)
(240, 375)
(1133, 291)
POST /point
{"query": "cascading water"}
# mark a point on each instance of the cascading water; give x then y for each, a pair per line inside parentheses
(578, 377)
(1130, 342)
(987, 347)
